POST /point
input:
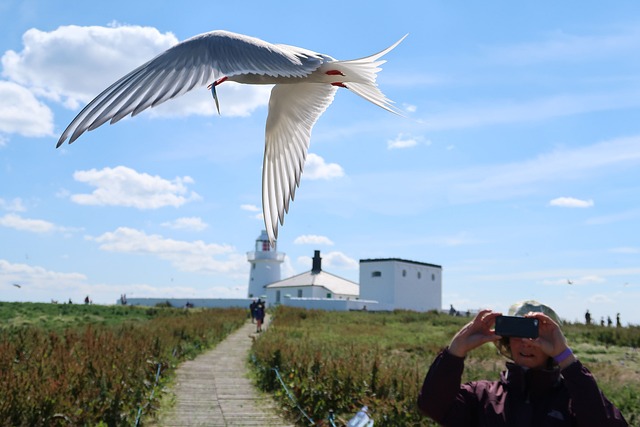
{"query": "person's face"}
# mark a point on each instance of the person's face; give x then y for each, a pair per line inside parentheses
(524, 354)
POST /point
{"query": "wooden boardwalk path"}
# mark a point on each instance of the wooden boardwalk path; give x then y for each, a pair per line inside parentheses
(214, 389)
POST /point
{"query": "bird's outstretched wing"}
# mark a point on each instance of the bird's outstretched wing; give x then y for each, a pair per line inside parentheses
(293, 110)
(192, 63)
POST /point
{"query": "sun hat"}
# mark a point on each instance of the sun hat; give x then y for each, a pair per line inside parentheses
(520, 309)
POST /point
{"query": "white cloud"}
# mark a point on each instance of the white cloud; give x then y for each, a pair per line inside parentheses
(331, 260)
(14, 205)
(486, 182)
(250, 208)
(196, 256)
(34, 225)
(236, 100)
(496, 112)
(254, 209)
(316, 168)
(24, 224)
(311, 239)
(339, 260)
(571, 202)
(186, 223)
(35, 277)
(73, 64)
(562, 164)
(410, 108)
(122, 186)
(404, 141)
(22, 113)
(561, 46)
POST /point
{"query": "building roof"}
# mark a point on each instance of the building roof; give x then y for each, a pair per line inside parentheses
(332, 283)
(401, 260)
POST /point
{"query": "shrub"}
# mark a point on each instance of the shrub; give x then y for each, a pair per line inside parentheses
(340, 361)
(97, 373)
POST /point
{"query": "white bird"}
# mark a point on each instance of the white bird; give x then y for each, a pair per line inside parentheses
(305, 84)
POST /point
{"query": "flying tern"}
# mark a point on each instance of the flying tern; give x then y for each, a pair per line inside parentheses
(305, 85)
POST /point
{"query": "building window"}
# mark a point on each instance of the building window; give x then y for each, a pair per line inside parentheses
(376, 274)
(329, 295)
(433, 276)
(404, 273)
(299, 293)
(419, 275)
(277, 296)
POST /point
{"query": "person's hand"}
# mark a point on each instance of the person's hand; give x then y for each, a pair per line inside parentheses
(550, 339)
(474, 333)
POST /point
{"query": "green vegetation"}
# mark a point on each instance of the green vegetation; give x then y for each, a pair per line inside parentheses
(58, 317)
(340, 361)
(96, 365)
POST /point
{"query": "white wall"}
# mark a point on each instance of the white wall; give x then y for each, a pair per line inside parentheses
(422, 293)
(379, 287)
(333, 304)
(265, 269)
(302, 292)
(401, 284)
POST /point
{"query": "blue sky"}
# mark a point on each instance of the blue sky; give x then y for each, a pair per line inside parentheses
(516, 168)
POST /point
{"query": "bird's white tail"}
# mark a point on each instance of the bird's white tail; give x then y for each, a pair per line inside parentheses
(360, 77)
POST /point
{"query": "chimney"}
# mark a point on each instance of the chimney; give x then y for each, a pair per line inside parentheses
(317, 263)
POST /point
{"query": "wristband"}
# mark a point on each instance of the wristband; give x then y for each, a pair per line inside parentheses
(563, 356)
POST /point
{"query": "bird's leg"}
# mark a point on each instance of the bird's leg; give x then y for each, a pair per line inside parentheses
(212, 87)
(336, 73)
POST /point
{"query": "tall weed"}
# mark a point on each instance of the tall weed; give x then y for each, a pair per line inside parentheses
(340, 361)
(96, 373)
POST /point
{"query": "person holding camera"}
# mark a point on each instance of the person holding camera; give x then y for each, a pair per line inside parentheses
(544, 385)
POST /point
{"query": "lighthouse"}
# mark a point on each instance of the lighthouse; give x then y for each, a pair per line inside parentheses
(265, 263)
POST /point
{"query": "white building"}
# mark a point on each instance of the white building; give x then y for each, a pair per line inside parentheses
(401, 284)
(265, 263)
(385, 284)
(313, 284)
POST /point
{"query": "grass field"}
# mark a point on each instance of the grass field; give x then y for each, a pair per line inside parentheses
(91, 365)
(58, 317)
(339, 361)
(64, 364)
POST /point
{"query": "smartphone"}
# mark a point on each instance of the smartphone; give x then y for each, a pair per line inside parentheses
(514, 326)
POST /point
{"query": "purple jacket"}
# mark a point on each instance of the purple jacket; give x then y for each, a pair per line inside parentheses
(522, 398)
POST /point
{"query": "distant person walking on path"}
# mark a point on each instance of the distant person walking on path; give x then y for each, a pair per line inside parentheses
(587, 318)
(259, 312)
(252, 311)
(618, 324)
(545, 385)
